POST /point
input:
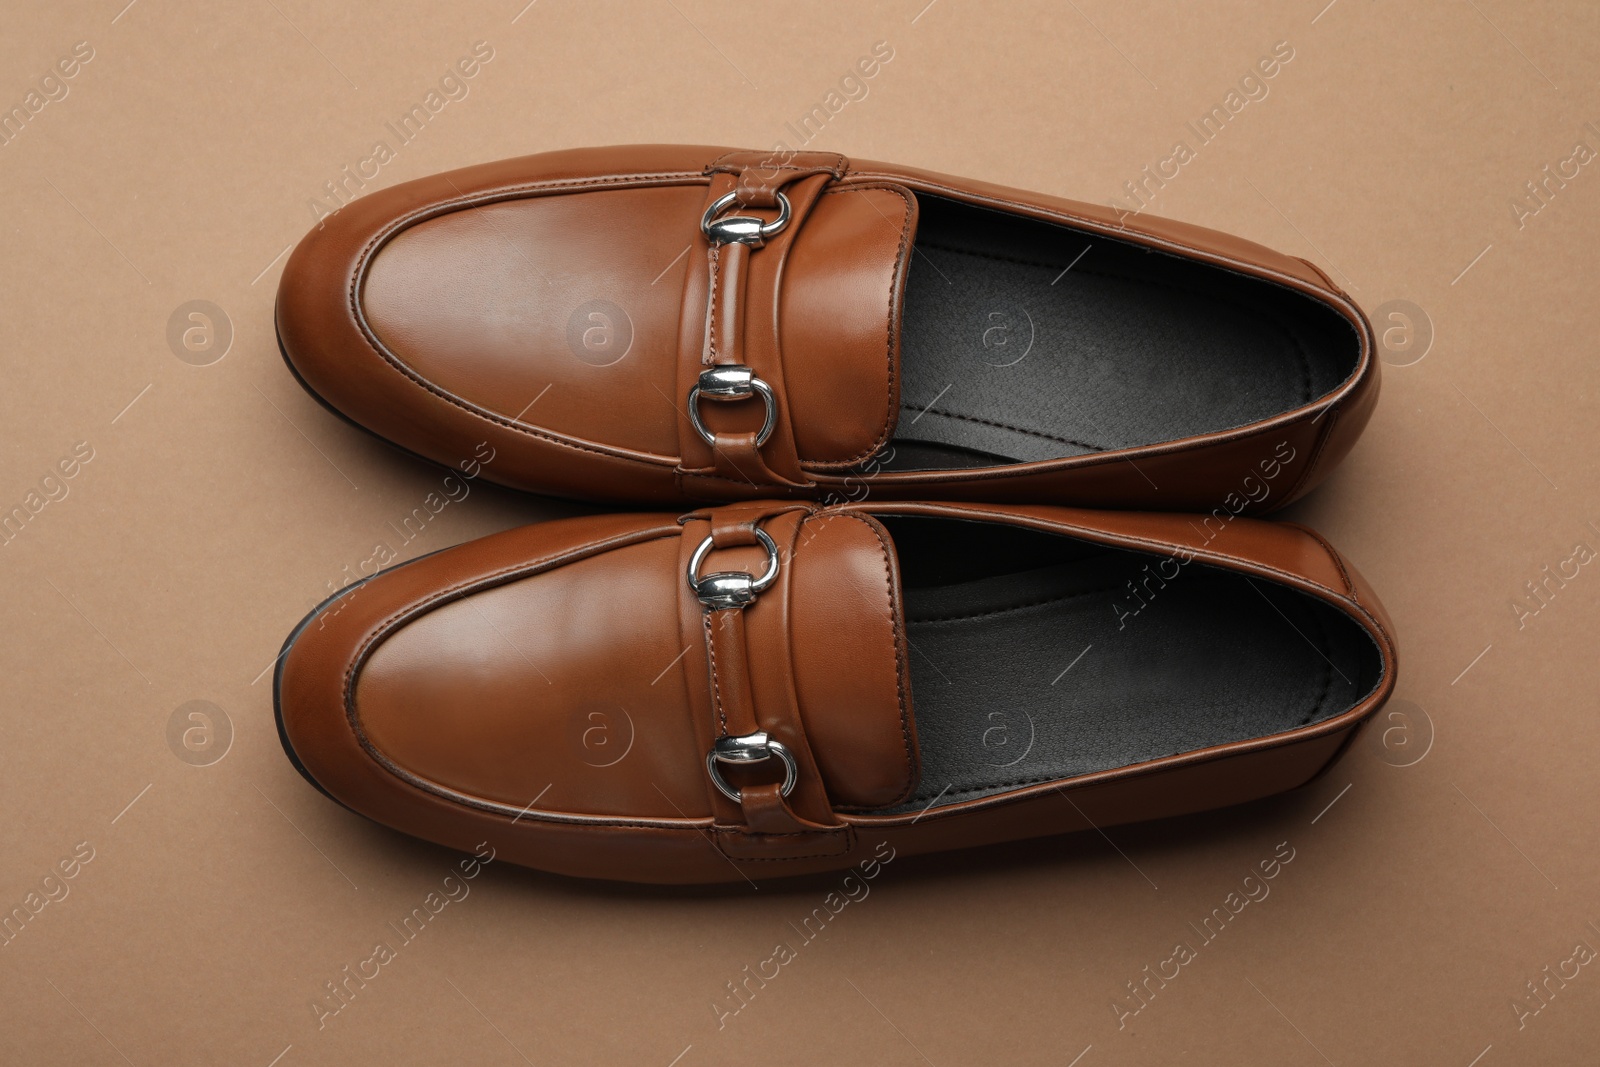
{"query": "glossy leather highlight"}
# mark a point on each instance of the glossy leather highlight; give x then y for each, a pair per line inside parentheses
(552, 689)
(560, 307)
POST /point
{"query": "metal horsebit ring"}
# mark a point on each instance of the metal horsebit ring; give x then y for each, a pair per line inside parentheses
(741, 229)
(731, 589)
(743, 751)
(735, 381)
(736, 590)
(727, 382)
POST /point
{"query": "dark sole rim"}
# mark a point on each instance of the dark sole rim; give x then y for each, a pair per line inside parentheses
(283, 658)
(606, 501)
(341, 416)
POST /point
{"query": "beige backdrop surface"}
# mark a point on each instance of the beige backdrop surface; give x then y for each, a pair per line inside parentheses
(1446, 863)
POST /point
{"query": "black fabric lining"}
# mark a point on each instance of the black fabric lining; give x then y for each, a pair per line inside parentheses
(1002, 611)
(1004, 426)
(1327, 670)
(1036, 661)
(1026, 341)
(1244, 309)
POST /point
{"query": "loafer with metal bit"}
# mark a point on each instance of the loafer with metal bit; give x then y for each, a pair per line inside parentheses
(680, 323)
(773, 688)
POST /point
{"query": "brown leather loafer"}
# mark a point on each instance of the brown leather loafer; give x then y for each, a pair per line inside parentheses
(770, 688)
(670, 323)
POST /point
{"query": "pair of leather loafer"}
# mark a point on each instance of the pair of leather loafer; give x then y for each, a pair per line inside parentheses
(859, 389)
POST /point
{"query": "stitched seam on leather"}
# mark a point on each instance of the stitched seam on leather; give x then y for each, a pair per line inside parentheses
(735, 831)
(511, 192)
(987, 788)
(1230, 564)
(1003, 426)
(721, 165)
(1338, 561)
(899, 658)
(553, 818)
(1332, 287)
(709, 356)
(790, 705)
(740, 835)
(427, 603)
(1018, 607)
(1301, 350)
(1011, 784)
(892, 375)
(445, 207)
(734, 168)
(1316, 454)
(716, 687)
(707, 472)
(419, 608)
(889, 329)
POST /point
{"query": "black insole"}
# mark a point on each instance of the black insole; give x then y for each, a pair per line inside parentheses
(1057, 666)
(1026, 341)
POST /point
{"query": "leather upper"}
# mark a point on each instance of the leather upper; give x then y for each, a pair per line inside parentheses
(557, 689)
(462, 692)
(561, 307)
(457, 301)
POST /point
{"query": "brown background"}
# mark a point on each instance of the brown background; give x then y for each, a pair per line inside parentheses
(219, 506)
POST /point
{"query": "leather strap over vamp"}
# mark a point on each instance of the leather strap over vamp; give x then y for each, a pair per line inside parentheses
(805, 708)
(792, 262)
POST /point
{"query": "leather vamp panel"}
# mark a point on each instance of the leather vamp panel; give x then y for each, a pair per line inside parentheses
(560, 310)
(525, 691)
